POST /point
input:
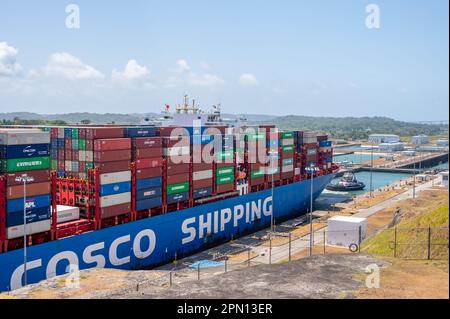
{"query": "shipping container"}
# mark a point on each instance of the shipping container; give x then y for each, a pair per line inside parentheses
(202, 183)
(112, 156)
(116, 199)
(148, 172)
(147, 152)
(32, 216)
(104, 132)
(112, 144)
(115, 210)
(24, 164)
(148, 193)
(148, 131)
(177, 179)
(115, 188)
(147, 142)
(110, 167)
(202, 192)
(177, 169)
(23, 137)
(199, 175)
(38, 176)
(33, 228)
(177, 197)
(225, 179)
(148, 203)
(24, 151)
(177, 188)
(149, 162)
(31, 202)
(148, 183)
(224, 188)
(34, 189)
(67, 213)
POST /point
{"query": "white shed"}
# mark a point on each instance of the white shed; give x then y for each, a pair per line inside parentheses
(384, 138)
(443, 178)
(346, 230)
(420, 139)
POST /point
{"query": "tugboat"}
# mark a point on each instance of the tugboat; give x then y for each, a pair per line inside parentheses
(347, 183)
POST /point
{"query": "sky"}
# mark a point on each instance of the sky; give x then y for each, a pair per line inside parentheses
(315, 58)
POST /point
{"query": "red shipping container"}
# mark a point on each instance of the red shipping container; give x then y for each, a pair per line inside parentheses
(147, 142)
(176, 142)
(257, 181)
(61, 154)
(180, 159)
(112, 156)
(212, 129)
(201, 166)
(82, 133)
(276, 177)
(177, 169)
(222, 165)
(149, 162)
(82, 166)
(39, 176)
(256, 166)
(176, 179)
(14, 192)
(202, 183)
(173, 131)
(115, 210)
(287, 175)
(75, 155)
(107, 132)
(110, 167)
(112, 144)
(225, 188)
(54, 132)
(89, 145)
(147, 152)
(68, 155)
(68, 144)
(149, 172)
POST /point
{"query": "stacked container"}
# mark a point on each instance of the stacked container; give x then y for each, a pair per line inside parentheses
(26, 152)
(325, 156)
(202, 161)
(287, 148)
(224, 158)
(177, 151)
(113, 158)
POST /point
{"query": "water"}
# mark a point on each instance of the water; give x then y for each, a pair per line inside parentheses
(355, 158)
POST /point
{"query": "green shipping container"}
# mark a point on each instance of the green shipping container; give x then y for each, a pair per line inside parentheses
(224, 171)
(89, 165)
(177, 188)
(25, 164)
(286, 135)
(75, 145)
(82, 145)
(257, 173)
(54, 165)
(287, 148)
(225, 180)
(74, 133)
(223, 155)
(256, 137)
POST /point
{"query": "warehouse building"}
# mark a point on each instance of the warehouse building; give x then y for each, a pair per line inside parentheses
(420, 139)
(384, 138)
(442, 143)
(391, 147)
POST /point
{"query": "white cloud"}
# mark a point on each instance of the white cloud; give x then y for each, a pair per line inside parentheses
(183, 75)
(8, 64)
(248, 79)
(67, 66)
(132, 72)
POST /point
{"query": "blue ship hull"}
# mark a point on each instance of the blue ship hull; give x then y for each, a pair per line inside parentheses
(154, 241)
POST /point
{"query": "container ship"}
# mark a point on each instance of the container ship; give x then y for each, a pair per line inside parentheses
(134, 197)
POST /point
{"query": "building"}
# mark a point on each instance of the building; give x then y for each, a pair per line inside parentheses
(391, 147)
(442, 143)
(409, 153)
(420, 139)
(384, 138)
(346, 231)
(443, 178)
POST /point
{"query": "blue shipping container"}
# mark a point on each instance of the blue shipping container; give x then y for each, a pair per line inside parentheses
(148, 203)
(23, 151)
(202, 192)
(148, 193)
(173, 198)
(149, 131)
(115, 188)
(33, 216)
(148, 182)
(325, 144)
(14, 205)
(67, 132)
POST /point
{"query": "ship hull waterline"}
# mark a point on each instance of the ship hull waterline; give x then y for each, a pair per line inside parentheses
(158, 240)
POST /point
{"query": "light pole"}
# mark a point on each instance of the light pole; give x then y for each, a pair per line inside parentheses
(311, 169)
(414, 177)
(25, 179)
(371, 168)
(272, 155)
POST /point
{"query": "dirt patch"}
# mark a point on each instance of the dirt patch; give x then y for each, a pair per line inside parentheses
(319, 249)
(410, 279)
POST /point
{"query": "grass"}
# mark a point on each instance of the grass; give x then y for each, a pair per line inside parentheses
(412, 236)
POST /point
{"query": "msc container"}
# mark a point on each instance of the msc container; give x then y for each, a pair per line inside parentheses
(24, 164)
(148, 203)
(147, 142)
(115, 210)
(67, 213)
(199, 175)
(140, 131)
(110, 167)
(115, 188)
(148, 193)
(13, 192)
(31, 202)
(112, 200)
(24, 151)
(39, 176)
(177, 188)
(112, 156)
(176, 179)
(32, 216)
(112, 144)
(149, 162)
(202, 192)
(178, 197)
(23, 137)
(147, 152)
(148, 183)
(177, 169)
(148, 172)
(117, 177)
(33, 228)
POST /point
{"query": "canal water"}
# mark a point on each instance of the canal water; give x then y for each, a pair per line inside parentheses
(354, 158)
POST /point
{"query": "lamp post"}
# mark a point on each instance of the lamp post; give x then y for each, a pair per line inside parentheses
(272, 156)
(25, 179)
(311, 169)
(371, 167)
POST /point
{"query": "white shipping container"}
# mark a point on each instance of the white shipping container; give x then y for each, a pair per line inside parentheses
(67, 213)
(60, 132)
(288, 141)
(177, 151)
(89, 156)
(297, 171)
(287, 168)
(82, 156)
(346, 230)
(207, 174)
(68, 165)
(116, 177)
(116, 199)
(32, 228)
(23, 136)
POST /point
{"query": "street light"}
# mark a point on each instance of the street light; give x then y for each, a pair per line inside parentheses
(25, 179)
(311, 169)
(272, 156)
(371, 167)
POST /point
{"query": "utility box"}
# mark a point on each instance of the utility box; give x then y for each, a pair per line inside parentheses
(346, 230)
